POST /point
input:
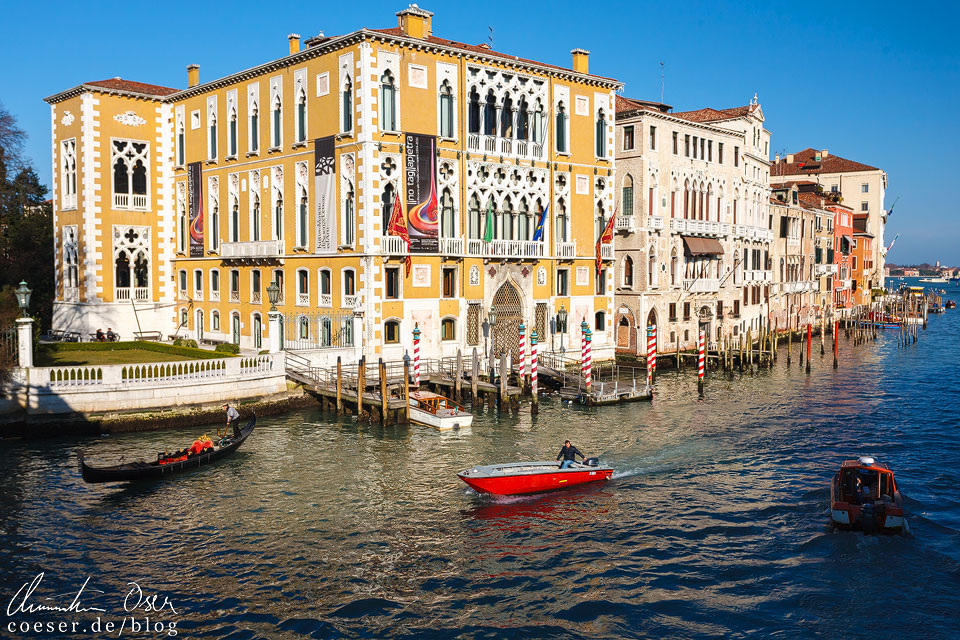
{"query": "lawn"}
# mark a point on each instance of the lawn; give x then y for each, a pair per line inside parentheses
(93, 353)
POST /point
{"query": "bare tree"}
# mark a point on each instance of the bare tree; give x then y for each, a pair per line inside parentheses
(11, 144)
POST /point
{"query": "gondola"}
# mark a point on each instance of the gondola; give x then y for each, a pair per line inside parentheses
(142, 470)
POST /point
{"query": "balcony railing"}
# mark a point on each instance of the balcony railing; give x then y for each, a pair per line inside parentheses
(134, 201)
(624, 223)
(252, 249)
(393, 245)
(750, 232)
(256, 297)
(699, 227)
(504, 146)
(793, 243)
(825, 269)
(214, 296)
(757, 275)
(519, 249)
(654, 223)
(71, 294)
(701, 285)
(69, 201)
(234, 296)
(606, 252)
(451, 246)
(140, 294)
(198, 295)
(566, 249)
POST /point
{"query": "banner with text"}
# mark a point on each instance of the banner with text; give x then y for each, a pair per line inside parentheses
(421, 193)
(195, 208)
(325, 177)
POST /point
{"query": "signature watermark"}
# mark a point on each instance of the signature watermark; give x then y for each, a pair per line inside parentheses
(143, 613)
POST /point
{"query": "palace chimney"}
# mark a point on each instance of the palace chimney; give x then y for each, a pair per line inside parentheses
(415, 22)
(581, 60)
(193, 75)
(294, 40)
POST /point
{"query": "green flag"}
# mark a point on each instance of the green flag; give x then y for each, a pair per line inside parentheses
(488, 233)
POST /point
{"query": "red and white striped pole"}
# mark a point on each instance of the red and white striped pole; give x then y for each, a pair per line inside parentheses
(587, 368)
(416, 355)
(535, 407)
(651, 353)
(701, 362)
(523, 354)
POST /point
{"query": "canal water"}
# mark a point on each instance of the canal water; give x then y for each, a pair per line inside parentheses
(715, 523)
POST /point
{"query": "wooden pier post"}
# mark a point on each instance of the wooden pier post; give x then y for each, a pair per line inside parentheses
(458, 381)
(406, 391)
(809, 339)
(339, 386)
(361, 385)
(475, 379)
(384, 411)
(789, 345)
(836, 343)
(750, 349)
(740, 358)
(679, 365)
(801, 345)
(535, 404)
(504, 377)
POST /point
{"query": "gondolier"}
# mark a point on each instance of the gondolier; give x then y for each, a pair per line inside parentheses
(569, 454)
(233, 419)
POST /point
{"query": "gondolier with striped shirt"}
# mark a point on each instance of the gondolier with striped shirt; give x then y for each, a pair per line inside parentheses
(233, 419)
(569, 454)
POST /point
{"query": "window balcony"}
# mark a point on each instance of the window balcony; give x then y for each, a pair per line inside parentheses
(451, 246)
(825, 269)
(139, 294)
(755, 276)
(303, 298)
(606, 252)
(352, 302)
(71, 294)
(252, 249)
(234, 296)
(326, 300)
(702, 285)
(198, 295)
(256, 297)
(393, 245)
(624, 223)
(69, 201)
(135, 201)
(750, 232)
(654, 223)
(516, 249)
(566, 250)
(214, 296)
(699, 227)
(793, 243)
(504, 146)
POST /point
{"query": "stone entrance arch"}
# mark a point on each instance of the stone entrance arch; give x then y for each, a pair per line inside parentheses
(626, 336)
(508, 307)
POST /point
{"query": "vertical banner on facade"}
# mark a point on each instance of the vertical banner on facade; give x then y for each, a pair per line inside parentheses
(420, 171)
(325, 177)
(195, 208)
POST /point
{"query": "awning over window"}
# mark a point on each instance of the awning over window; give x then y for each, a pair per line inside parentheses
(702, 246)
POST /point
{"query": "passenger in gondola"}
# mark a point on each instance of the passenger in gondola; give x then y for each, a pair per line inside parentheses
(569, 455)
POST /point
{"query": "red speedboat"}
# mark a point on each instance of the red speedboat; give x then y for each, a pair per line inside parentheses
(864, 496)
(514, 478)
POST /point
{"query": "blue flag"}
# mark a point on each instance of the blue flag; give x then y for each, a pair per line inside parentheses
(538, 231)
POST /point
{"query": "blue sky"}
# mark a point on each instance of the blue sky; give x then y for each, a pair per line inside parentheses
(875, 82)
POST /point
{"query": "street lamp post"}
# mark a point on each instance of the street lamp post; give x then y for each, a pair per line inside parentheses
(24, 327)
(492, 323)
(561, 325)
(274, 318)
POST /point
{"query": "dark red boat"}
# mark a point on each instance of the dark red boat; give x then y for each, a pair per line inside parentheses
(515, 478)
(865, 496)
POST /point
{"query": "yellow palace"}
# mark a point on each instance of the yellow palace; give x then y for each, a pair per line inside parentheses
(176, 209)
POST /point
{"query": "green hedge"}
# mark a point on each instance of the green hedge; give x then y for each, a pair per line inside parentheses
(137, 345)
(227, 347)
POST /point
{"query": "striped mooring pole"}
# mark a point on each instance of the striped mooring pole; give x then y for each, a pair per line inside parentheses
(535, 406)
(701, 362)
(523, 354)
(587, 369)
(651, 353)
(416, 355)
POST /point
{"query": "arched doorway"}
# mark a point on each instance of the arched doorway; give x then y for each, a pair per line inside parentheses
(623, 333)
(199, 324)
(508, 307)
(257, 331)
(235, 334)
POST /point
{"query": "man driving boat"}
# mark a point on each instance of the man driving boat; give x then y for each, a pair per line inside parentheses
(569, 454)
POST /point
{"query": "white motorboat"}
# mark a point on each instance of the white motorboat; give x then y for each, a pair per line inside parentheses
(433, 410)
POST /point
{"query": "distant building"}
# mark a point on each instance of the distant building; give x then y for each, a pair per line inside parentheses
(860, 187)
